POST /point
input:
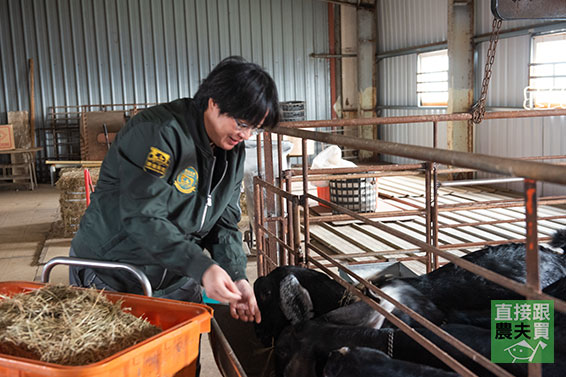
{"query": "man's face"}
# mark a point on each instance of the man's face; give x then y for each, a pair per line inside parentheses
(222, 129)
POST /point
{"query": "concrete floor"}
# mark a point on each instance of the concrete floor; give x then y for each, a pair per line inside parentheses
(26, 243)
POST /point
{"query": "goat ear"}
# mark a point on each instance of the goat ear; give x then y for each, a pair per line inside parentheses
(379, 280)
(296, 303)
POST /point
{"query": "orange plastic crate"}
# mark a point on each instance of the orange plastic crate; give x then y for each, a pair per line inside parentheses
(164, 354)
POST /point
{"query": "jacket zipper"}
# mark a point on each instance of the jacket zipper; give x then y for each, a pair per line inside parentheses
(209, 192)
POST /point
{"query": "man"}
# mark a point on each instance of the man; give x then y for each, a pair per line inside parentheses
(169, 188)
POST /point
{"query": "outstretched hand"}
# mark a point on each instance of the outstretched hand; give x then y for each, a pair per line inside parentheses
(219, 286)
(246, 308)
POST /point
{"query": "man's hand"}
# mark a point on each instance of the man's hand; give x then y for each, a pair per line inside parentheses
(246, 308)
(219, 286)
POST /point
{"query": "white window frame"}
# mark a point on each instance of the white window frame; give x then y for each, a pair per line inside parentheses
(432, 82)
(547, 74)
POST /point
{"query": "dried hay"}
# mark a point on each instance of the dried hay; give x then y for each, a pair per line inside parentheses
(73, 200)
(68, 326)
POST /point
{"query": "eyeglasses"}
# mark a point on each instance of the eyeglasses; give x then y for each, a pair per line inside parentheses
(244, 127)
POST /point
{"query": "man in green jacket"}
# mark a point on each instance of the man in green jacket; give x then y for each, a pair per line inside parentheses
(169, 188)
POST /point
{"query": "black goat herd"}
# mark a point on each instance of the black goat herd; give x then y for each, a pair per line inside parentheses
(318, 330)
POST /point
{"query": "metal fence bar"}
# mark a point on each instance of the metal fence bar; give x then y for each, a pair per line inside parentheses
(499, 165)
(532, 257)
(483, 272)
(421, 119)
(431, 347)
(466, 162)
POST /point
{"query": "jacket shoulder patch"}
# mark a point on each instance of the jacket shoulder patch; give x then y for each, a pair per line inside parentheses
(187, 180)
(156, 162)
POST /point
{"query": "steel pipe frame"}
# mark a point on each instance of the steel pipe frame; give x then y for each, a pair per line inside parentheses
(359, 169)
(532, 256)
(508, 203)
(431, 347)
(522, 289)
(306, 208)
(420, 119)
(269, 176)
(486, 181)
(286, 238)
(434, 229)
(283, 230)
(418, 250)
(91, 263)
(417, 337)
(363, 145)
(279, 241)
(104, 106)
(230, 366)
(510, 167)
(499, 165)
(258, 220)
(326, 177)
(428, 218)
(493, 222)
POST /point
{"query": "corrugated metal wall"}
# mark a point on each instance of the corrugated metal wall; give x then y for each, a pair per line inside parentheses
(514, 137)
(146, 51)
(403, 24)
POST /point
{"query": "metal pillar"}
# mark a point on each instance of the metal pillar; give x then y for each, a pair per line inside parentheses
(460, 71)
(366, 75)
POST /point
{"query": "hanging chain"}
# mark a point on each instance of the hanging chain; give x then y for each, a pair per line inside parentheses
(478, 110)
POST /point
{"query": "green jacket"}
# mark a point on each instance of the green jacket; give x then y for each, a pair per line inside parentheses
(163, 195)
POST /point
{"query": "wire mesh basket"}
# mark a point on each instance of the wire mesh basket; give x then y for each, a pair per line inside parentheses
(358, 194)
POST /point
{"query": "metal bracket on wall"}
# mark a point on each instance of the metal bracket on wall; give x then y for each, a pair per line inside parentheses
(332, 56)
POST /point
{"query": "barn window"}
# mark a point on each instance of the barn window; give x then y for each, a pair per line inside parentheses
(432, 78)
(547, 72)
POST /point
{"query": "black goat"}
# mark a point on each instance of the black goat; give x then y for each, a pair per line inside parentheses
(558, 290)
(364, 362)
(361, 314)
(290, 295)
(453, 288)
(452, 294)
(304, 349)
(449, 294)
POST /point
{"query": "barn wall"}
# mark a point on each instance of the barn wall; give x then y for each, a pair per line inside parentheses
(89, 52)
(404, 24)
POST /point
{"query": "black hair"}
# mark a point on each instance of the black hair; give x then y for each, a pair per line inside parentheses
(242, 90)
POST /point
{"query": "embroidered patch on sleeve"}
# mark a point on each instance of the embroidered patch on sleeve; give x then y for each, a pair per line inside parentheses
(187, 180)
(156, 162)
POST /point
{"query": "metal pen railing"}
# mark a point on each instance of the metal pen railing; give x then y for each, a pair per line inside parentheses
(285, 245)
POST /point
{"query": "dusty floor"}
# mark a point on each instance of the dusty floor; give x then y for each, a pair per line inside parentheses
(26, 243)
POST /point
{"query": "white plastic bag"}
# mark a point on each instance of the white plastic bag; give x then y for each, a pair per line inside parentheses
(330, 157)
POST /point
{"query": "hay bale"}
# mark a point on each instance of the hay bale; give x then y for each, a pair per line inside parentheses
(68, 326)
(72, 201)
